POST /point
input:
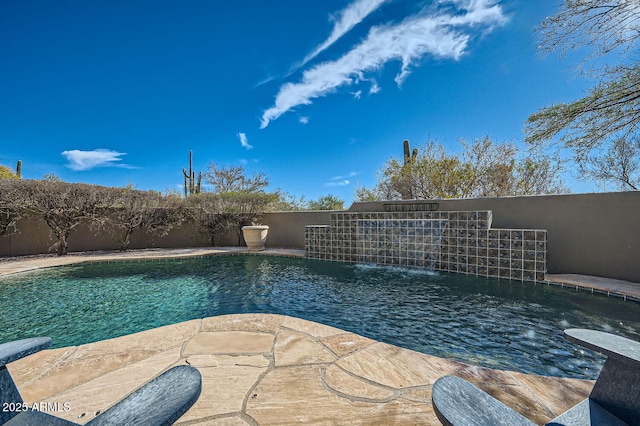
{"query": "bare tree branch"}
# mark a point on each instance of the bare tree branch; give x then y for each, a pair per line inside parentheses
(593, 126)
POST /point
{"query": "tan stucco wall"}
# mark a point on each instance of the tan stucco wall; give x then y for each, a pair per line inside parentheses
(33, 237)
(286, 229)
(590, 234)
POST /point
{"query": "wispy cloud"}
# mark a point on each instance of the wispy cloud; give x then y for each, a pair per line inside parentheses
(351, 174)
(346, 19)
(341, 180)
(357, 94)
(440, 34)
(374, 88)
(87, 160)
(243, 141)
(265, 80)
(303, 120)
(333, 183)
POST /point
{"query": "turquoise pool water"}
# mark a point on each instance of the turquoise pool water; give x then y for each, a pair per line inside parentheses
(494, 323)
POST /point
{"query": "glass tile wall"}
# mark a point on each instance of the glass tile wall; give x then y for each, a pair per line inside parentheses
(448, 241)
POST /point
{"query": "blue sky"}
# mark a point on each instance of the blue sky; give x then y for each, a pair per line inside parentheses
(315, 94)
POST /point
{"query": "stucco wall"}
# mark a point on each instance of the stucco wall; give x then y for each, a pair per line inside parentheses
(286, 229)
(591, 234)
(33, 237)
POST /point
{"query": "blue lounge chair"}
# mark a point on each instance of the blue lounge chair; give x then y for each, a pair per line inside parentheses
(614, 400)
(160, 402)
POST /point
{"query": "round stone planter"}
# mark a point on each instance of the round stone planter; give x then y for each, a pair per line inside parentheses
(255, 236)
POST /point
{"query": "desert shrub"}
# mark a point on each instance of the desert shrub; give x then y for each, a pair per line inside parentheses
(63, 206)
(150, 211)
(205, 209)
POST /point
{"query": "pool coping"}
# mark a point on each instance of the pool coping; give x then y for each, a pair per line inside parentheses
(626, 290)
(18, 264)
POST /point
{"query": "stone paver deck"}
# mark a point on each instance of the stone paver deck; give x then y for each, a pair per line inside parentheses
(273, 369)
(270, 369)
(609, 286)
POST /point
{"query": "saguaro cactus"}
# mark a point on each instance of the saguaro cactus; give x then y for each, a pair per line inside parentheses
(405, 183)
(190, 185)
(19, 169)
(409, 158)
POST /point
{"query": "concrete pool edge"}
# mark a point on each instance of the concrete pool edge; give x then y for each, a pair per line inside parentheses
(267, 369)
(25, 264)
(626, 290)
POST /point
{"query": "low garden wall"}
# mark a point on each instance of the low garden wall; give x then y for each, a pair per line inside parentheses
(33, 236)
(591, 234)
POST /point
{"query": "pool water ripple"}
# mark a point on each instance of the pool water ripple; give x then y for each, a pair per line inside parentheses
(489, 322)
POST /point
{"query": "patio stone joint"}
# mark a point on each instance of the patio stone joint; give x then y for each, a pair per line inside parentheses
(353, 397)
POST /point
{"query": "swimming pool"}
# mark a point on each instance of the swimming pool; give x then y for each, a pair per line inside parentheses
(494, 323)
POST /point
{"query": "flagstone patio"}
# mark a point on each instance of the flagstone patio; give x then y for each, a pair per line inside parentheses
(270, 369)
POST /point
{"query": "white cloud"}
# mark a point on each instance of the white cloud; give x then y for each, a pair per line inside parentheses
(441, 35)
(243, 141)
(303, 120)
(338, 183)
(374, 88)
(87, 160)
(265, 80)
(357, 94)
(341, 180)
(351, 174)
(347, 18)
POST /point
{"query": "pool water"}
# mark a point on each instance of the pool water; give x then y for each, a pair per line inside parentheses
(489, 322)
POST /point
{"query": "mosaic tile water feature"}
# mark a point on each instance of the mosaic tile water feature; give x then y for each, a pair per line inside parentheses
(409, 242)
(442, 240)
